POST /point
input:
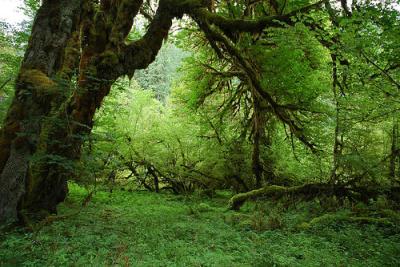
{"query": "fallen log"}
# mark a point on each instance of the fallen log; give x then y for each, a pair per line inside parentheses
(278, 191)
(310, 191)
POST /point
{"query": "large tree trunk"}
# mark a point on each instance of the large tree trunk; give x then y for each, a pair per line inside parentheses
(46, 126)
(38, 86)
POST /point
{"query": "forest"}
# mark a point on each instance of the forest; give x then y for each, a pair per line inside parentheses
(200, 133)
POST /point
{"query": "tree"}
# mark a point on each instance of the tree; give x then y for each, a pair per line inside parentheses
(48, 116)
(79, 48)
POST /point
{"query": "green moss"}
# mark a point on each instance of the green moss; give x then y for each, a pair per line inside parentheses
(36, 78)
(109, 58)
(237, 200)
(304, 226)
(328, 219)
(38, 83)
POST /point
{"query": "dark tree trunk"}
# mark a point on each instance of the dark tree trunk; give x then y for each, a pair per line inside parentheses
(394, 149)
(38, 86)
(269, 161)
(156, 182)
(258, 134)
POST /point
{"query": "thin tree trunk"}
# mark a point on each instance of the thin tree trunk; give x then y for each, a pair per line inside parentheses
(394, 149)
(258, 132)
(269, 161)
(152, 172)
(337, 146)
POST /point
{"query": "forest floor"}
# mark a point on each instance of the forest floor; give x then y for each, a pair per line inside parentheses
(147, 229)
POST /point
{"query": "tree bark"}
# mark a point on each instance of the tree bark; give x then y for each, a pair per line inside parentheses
(338, 135)
(38, 86)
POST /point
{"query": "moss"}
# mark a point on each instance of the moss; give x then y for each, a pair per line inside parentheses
(157, 231)
(236, 201)
(38, 83)
(71, 57)
(109, 58)
(36, 78)
(236, 218)
(204, 207)
(393, 215)
(304, 226)
(335, 218)
(247, 224)
(33, 182)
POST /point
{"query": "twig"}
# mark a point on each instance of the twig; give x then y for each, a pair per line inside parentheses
(5, 83)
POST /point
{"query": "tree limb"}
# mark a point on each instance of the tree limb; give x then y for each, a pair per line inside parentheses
(252, 26)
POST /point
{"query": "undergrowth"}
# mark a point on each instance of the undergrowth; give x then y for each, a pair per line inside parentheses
(147, 229)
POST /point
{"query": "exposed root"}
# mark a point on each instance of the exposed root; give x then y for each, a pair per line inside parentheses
(49, 219)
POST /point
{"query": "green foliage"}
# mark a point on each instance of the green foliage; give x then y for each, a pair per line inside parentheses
(144, 229)
(158, 77)
(196, 126)
(9, 63)
(296, 68)
(180, 144)
(192, 127)
(13, 41)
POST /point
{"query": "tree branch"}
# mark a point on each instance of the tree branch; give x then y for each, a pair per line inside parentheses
(139, 54)
(384, 72)
(253, 26)
(253, 79)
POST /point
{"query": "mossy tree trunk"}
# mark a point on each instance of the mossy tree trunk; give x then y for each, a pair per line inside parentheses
(258, 136)
(39, 85)
(338, 134)
(47, 124)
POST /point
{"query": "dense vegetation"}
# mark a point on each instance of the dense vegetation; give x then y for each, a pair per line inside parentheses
(142, 229)
(201, 133)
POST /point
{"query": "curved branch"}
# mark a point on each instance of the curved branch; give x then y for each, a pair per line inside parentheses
(139, 54)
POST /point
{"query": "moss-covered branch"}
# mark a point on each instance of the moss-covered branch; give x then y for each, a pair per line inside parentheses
(310, 191)
(252, 26)
(279, 191)
(139, 54)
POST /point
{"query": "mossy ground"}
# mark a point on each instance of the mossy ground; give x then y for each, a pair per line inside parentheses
(146, 229)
